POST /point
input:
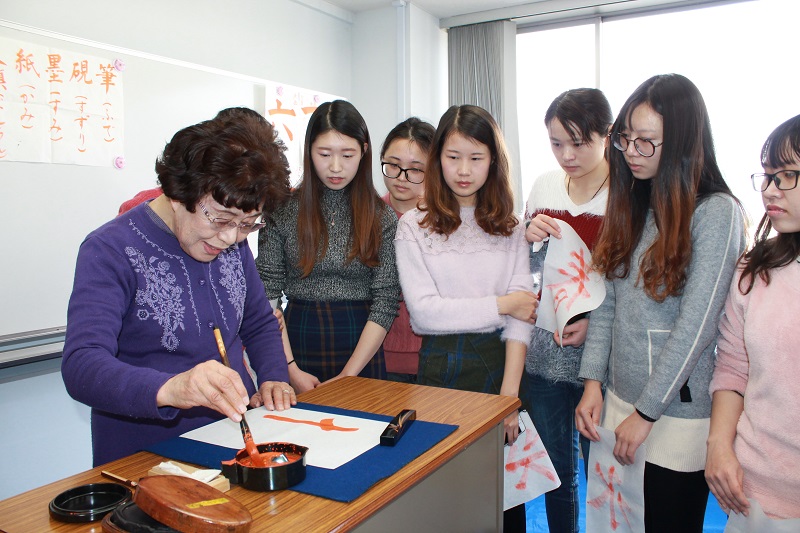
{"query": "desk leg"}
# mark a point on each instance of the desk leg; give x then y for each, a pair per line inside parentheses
(465, 495)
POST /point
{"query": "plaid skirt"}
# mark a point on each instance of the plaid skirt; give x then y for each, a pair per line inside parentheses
(323, 336)
(468, 361)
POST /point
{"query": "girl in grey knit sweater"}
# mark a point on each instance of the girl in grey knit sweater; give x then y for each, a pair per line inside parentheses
(668, 248)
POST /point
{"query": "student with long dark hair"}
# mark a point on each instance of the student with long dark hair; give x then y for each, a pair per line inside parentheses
(463, 265)
(330, 251)
(670, 240)
(578, 123)
(754, 442)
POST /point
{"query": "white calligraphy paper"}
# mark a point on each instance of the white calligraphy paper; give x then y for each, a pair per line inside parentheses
(758, 522)
(59, 106)
(529, 472)
(569, 285)
(332, 440)
(615, 493)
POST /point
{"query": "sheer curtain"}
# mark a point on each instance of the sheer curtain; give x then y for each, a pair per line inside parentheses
(482, 72)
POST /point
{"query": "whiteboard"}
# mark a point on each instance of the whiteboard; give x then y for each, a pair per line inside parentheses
(46, 210)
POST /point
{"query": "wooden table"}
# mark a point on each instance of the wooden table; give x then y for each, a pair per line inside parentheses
(455, 486)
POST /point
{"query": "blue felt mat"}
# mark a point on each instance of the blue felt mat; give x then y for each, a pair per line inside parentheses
(343, 484)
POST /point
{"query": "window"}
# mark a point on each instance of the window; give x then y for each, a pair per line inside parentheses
(739, 55)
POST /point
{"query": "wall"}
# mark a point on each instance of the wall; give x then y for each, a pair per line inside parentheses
(399, 70)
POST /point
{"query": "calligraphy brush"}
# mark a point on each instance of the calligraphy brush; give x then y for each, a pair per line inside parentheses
(249, 445)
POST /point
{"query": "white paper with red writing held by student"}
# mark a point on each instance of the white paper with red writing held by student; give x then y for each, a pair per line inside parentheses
(529, 472)
(615, 492)
(569, 285)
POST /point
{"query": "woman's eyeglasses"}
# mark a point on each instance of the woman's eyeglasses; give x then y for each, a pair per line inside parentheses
(222, 224)
(785, 180)
(392, 171)
(645, 147)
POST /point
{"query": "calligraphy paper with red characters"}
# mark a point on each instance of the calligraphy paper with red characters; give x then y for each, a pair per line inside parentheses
(615, 493)
(569, 285)
(59, 106)
(332, 440)
(289, 109)
(529, 472)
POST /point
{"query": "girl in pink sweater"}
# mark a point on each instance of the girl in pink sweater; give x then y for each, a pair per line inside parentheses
(754, 440)
(463, 264)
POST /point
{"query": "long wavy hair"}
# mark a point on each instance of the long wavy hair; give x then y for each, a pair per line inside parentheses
(494, 208)
(365, 204)
(781, 149)
(687, 173)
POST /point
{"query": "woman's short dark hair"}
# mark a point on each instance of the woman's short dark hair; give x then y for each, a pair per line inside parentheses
(412, 129)
(582, 112)
(239, 161)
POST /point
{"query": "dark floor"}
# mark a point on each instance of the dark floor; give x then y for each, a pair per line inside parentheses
(537, 518)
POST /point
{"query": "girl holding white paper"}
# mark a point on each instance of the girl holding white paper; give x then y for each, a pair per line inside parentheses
(463, 265)
(578, 123)
(754, 442)
(668, 248)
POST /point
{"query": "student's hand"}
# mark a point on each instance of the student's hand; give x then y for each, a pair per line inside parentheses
(337, 376)
(574, 334)
(541, 227)
(210, 384)
(630, 435)
(724, 476)
(281, 321)
(511, 427)
(302, 381)
(519, 304)
(274, 395)
(587, 414)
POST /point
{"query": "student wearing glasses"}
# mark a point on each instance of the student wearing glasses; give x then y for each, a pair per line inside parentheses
(152, 284)
(329, 250)
(672, 234)
(404, 156)
(754, 442)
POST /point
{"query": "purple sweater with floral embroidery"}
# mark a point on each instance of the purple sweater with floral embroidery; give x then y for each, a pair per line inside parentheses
(142, 311)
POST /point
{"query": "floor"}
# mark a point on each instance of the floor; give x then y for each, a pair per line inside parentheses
(537, 518)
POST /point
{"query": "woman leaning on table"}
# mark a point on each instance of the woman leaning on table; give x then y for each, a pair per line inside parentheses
(151, 285)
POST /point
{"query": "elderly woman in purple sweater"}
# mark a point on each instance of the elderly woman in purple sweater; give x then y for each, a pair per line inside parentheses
(151, 286)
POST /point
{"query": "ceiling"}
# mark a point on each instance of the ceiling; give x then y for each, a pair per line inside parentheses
(438, 8)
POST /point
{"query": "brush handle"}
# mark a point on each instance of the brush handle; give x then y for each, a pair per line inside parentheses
(221, 347)
(119, 479)
(250, 446)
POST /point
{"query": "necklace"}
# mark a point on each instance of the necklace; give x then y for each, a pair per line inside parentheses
(333, 214)
(569, 180)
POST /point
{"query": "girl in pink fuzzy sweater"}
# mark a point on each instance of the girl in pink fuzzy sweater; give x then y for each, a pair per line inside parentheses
(754, 441)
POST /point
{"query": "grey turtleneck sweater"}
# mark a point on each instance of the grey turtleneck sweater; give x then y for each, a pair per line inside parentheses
(333, 278)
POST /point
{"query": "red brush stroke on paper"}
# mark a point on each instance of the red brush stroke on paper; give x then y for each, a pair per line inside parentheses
(326, 424)
(528, 463)
(581, 276)
(608, 496)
